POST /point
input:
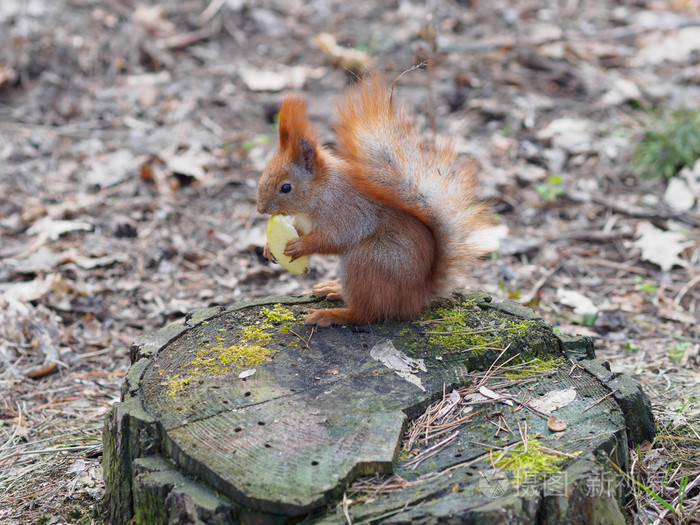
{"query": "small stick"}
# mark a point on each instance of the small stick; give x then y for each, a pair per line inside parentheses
(539, 284)
(431, 451)
(305, 341)
(488, 373)
(557, 452)
(412, 68)
(49, 451)
(471, 332)
(211, 10)
(600, 400)
(618, 266)
(677, 301)
(679, 438)
(452, 423)
(346, 504)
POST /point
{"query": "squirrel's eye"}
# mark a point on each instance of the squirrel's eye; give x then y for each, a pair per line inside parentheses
(286, 188)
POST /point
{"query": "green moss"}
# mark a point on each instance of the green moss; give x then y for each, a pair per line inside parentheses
(218, 356)
(278, 319)
(533, 366)
(256, 332)
(531, 461)
(278, 314)
(215, 357)
(455, 329)
(177, 384)
(244, 356)
(218, 359)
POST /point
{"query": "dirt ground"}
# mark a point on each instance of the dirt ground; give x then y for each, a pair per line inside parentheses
(132, 136)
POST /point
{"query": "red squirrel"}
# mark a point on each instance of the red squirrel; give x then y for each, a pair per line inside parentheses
(401, 214)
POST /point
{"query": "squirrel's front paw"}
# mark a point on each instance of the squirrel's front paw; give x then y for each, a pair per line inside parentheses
(330, 290)
(268, 254)
(294, 249)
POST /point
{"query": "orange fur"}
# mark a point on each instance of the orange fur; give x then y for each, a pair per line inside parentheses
(402, 216)
(294, 124)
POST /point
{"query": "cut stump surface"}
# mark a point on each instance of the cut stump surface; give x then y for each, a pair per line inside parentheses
(244, 414)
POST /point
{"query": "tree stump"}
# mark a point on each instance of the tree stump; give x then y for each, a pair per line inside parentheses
(244, 414)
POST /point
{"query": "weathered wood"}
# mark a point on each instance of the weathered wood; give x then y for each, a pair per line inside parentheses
(197, 439)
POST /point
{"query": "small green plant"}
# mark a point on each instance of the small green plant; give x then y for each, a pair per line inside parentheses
(551, 189)
(673, 143)
(630, 348)
(644, 286)
(512, 293)
(589, 318)
(678, 351)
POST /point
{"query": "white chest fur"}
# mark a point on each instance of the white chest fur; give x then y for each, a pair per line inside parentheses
(302, 223)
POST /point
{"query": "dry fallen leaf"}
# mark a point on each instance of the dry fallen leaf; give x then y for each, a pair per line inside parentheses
(661, 247)
(265, 80)
(54, 228)
(190, 163)
(37, 372)
(553, 400)
(34, 329)
(581, 304)
(487, 392)
(621, 90)
(110, 169)
(344, 57)
(678, 195)
(46, 260)
(569, 134)
(31, 290)
(7, 75)
(674, 46)
(452, 401)
(152, 19)
(555, 424)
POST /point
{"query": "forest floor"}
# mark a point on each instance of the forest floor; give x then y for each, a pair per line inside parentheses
(132, 136)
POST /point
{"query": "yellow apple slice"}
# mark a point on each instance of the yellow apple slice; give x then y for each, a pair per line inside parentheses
(279, 232)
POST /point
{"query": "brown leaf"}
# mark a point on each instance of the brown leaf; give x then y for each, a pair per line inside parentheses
(41, 371)
(153, 21)
(344, 57)
(555, 424)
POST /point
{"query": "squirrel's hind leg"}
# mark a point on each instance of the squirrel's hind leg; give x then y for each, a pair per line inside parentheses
(330, 290)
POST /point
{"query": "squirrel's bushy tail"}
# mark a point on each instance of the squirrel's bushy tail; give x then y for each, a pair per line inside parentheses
(383, 150)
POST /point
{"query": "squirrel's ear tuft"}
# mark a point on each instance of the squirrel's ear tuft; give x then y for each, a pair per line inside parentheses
(294, 126)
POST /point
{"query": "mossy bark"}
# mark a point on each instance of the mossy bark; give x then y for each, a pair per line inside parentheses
(244, 414)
